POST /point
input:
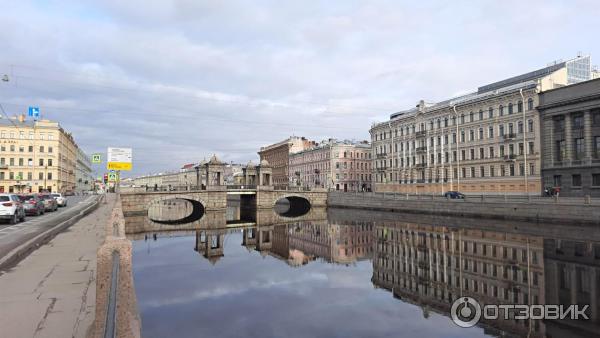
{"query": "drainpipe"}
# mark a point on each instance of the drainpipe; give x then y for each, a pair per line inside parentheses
(524, 142)
(457, 153)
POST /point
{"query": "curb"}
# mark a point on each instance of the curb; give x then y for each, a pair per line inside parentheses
(17, 254)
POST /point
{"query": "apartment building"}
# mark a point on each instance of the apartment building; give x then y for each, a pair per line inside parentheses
(277, 155)
(36, 156)
(83, 172)
(339, 165)
(487, 141)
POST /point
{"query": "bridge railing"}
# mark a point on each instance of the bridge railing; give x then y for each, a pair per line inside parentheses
(241, 186)
(291, 188)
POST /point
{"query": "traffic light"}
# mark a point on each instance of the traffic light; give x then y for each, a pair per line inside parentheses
(105, 179)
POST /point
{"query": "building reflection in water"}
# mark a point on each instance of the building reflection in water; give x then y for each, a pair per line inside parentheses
(432, 261)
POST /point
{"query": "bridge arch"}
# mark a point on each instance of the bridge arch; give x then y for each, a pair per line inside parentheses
(298, 204)
(196, 213)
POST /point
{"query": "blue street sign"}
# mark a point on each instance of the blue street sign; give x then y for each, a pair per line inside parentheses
(34, 112)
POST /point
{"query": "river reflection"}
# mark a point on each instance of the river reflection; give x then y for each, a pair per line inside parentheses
(346, 273)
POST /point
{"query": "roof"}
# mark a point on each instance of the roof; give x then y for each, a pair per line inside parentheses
(534, 75)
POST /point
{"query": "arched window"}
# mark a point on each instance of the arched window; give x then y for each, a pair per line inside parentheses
(520, 106)
(471, 117)
(529, 104)
(439, 123)
(480, 114)
(530, 126)
(510, 108)
(453, 120)
(520, 127)
(462, 118)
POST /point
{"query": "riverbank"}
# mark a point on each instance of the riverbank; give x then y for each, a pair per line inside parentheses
(530, 210)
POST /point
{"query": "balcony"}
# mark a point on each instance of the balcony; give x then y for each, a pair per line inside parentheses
(381, 155)
(509, 136)
(510, 158)
(381, 168)
(421, 165)
(3, 166)
(421, 150)
(420, 134)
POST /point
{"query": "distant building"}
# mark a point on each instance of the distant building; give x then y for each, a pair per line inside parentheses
(487, 141)
(277, 155)
(340, 165)
(570, 130)
(36, 156)
(84, 181)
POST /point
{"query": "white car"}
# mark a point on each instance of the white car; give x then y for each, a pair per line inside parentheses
(61, 201)
(11, 208)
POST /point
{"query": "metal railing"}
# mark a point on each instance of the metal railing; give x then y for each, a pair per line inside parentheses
(110, 327)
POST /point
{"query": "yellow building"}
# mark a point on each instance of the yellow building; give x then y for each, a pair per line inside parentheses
(36, 156)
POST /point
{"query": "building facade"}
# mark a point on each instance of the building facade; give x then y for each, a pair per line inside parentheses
(84, 181)
(36, 156)
(277, 155)
(570, 125)
(487, 141)
(339, 165)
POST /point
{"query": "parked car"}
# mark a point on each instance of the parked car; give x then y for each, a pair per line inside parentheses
(33, 204)
(60, 199)
(454, 195)
(49, 202)
(11, 208)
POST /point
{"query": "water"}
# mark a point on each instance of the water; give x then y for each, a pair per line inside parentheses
(345, 273)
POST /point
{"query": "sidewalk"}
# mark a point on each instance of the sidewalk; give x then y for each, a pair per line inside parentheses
(52, 292)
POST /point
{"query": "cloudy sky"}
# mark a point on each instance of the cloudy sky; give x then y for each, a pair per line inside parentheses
(178, 80)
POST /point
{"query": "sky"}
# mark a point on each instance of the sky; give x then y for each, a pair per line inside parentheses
(180, 80)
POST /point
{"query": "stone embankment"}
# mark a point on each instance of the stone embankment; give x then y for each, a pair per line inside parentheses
(532, 209)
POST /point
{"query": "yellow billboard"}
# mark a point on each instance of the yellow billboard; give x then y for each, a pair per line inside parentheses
(118, 166)
(119, 159)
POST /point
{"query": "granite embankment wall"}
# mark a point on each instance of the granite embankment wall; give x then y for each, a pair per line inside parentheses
(536, 211)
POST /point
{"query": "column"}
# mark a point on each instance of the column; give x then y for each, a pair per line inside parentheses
(568, 140)
(587, 134)
(573, 285)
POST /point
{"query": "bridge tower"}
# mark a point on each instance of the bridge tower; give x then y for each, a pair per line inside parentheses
(250, 174)
(215, 174)
(265, 174)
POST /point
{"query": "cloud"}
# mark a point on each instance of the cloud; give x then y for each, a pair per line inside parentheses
(179, 80)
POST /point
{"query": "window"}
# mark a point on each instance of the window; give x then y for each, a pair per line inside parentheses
(492, 172)
(557, 180)
(597, 147)
(471, 119)
(481, 172)
(49, 176)
(490, 132)
(471, 135)
(578, 148)
(481, 154)
(521, 148)
(12, 147)
(30, 162)
(491, 152)
(576, 180)
(520, 106)
(529, 104)
(481, 133)
(520, 127)
(462, 118)
(490, 112)
(472, 171)
(21, 162)
(50, 149)
(41, 149)
(41, 162)
(462, 136)
(472, 153)
(41, 176)
(560, 150)
(578, 121)
(512, 170)
(30, 149)
(501, 150)
(49, 162)
(596, 180)
(531, 150)
(501, 110)
(510, 108)
(501, 130)
(480, 115)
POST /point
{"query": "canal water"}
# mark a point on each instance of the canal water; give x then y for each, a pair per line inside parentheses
(350, 273)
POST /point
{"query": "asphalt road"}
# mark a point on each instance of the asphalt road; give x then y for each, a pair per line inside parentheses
(11, 236)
